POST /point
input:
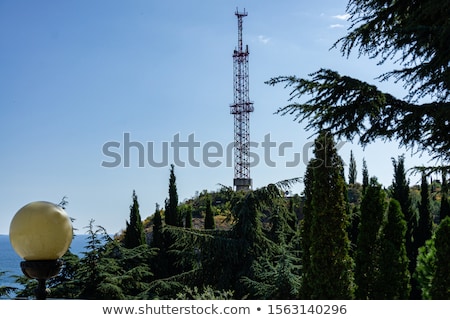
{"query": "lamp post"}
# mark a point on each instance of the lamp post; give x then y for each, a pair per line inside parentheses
(40, 233)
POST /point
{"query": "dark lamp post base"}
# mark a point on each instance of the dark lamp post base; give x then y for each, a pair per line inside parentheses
(41, 270)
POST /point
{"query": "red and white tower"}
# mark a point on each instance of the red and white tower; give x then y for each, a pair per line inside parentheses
(241, 109)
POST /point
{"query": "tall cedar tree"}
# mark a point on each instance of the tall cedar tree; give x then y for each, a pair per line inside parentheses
(331, 264)
(424, 228)
(209, 216)
(416, 37)
(172, 216)
(440, 286)
(134, 233)
(277, 276)
(352, 171)
(445, 206)
(372, 212)
(393, 277)
(401, 192)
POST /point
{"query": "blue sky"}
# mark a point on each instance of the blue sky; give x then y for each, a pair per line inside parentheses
(78, 74)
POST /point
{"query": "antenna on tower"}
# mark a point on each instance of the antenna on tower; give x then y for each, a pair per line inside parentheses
(241, 109)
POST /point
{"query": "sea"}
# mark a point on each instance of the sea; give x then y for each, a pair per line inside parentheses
(10, 261)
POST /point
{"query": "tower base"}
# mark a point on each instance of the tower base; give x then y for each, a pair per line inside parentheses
(242, 184)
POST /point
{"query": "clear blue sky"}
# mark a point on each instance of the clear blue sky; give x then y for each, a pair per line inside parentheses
(78, 74)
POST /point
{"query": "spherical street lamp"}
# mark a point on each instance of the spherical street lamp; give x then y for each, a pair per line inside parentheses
(40, 233)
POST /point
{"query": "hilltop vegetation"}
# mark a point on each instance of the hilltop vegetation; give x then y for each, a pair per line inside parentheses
(264, 245)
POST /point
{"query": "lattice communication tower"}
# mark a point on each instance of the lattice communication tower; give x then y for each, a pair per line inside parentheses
(241, 109)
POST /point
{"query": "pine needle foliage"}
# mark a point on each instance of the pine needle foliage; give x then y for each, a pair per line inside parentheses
(412, 34)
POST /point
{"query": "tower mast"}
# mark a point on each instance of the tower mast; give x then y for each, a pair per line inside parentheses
(241, 109)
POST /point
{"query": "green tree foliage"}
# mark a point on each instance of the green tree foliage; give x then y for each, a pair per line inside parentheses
(186, 212)
(172, 216)
(409, 33)
(160, 262)
(95, 276)
(365, 174)
(134, 233)
(353, 172)
(415, 35)
(276, 279)
(6, 290)
(331, 265)
(426, 267)
(63, 286)
(445, 205)
(401, 192)
(277, 275)
(424, 228)
(209, 216)
(157, 237)
(392, 275)
(206, 293)
(440, 285)
(305, 231)
(372, 212)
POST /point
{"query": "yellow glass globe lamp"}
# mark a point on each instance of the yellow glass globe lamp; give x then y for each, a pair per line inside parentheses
(41, 233)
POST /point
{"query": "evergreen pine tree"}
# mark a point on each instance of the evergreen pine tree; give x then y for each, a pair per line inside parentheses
(440, 285)
(365, 174)
(172, 216)
(134, 233)
(209, 216)
(331, 265)
(372, 212)
(400, 192)
(393, 277)
(445, 206)
(352, 169)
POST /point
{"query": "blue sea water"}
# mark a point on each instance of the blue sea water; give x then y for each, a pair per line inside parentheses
(10, 261)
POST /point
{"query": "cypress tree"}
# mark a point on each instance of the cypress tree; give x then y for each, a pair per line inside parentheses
(426, 267)
(160, 263)
(393, 277)
(134, 233)
(372, 211)
(171, 206)
(425, 225)
(209, 217)
(188, 217)
(400, 192)
(331, 265)
(352, 169)
(305, 232)
(157, 238)
(365, 174)
(440, 285)
(445, 206)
